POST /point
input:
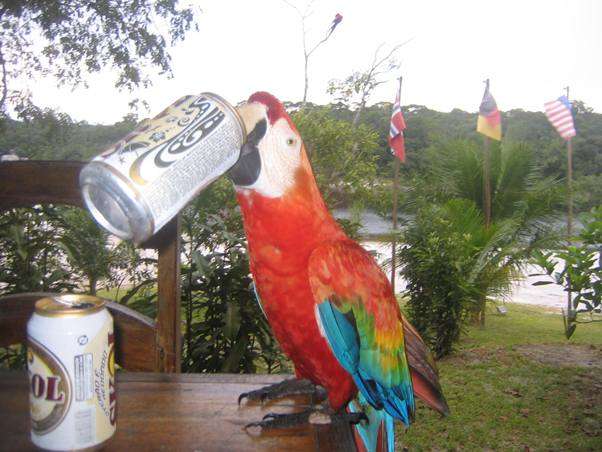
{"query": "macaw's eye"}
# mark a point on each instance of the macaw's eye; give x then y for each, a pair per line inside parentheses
(291, 141)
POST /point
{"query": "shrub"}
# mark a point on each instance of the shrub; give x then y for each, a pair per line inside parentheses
(434, 262)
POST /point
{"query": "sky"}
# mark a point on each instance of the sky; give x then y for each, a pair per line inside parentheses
(529, 49)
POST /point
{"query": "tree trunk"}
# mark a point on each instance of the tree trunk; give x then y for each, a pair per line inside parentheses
(306, 84)
(92, 283)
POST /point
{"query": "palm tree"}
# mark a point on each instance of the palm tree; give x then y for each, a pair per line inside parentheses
(523, 206)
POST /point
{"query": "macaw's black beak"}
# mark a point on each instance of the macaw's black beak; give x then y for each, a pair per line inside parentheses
(246, 170)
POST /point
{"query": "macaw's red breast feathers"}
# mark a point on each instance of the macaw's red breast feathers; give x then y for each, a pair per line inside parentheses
(274, 107)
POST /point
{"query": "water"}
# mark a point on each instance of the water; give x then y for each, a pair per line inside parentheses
(550, 296)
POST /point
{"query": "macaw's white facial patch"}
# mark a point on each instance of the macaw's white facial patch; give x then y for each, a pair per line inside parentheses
(280, 152)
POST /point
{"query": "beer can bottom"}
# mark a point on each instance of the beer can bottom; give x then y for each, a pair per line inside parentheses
(114, 203)
(94, 448)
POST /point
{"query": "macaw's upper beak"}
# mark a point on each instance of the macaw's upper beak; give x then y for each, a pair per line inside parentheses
(246, 170)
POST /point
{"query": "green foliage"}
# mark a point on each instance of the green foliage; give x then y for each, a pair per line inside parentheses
(518, 188)
(48, 135)
(28, 260)
(432, 264)
(452, 261)
(342, 156)
(89, 254)
(581, 275)
(68, 39)
(225, 328)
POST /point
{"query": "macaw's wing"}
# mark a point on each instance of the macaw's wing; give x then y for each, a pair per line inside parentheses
(361, 321)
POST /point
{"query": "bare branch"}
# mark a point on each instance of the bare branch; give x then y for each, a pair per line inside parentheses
(292, 5)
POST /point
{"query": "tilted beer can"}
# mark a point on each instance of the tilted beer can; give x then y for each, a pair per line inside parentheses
(136, 186)
(70, 359)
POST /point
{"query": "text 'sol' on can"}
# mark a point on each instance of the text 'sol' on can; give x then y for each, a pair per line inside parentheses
(70, 359)
(136, 186)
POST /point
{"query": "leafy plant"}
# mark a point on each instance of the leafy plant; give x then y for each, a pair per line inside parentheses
(523, 204)
(581, 273)
(87, 249)
(29, 260)
(451, 262)
(342, 156)
(225, 329)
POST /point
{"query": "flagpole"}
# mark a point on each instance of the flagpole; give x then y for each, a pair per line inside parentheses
(486, 201)
(569, 145)
(486, 176)
(487, 181)
(394, 212)
(569, 218)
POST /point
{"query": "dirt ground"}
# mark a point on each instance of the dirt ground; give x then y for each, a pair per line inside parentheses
(588, 356)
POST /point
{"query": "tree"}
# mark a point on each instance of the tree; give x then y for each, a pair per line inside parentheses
(355, 91)
(523, 204)
(69, 39)
(346, 174)
(307, 50)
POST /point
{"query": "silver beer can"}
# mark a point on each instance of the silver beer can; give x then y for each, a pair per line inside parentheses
(137, 185)
(71, 366)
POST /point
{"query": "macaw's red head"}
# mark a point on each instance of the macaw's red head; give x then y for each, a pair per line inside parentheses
(274, 154)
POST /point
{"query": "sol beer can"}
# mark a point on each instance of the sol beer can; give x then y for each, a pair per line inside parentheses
(70, 359)
(137, 185)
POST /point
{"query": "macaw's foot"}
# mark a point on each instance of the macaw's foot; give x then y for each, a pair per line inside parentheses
(313, 416)
(286, 388)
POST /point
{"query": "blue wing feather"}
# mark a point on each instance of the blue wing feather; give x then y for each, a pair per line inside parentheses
(376, 418)
(344, 341)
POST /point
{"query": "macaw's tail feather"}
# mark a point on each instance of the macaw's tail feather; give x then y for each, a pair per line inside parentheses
(425, 377)
(378, 435)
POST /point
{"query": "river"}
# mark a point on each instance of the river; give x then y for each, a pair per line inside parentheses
(551, 295)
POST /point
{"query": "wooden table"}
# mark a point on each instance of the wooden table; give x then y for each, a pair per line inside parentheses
(181, 412)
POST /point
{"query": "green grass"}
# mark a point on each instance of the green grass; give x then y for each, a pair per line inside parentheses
(502, 399)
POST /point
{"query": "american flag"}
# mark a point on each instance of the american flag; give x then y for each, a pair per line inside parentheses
(396, 131)
(560, 114)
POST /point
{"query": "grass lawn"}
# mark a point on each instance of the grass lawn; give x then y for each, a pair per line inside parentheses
(518, 384)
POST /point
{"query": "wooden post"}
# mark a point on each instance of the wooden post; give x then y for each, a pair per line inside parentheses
(168, 298)
(394, 212)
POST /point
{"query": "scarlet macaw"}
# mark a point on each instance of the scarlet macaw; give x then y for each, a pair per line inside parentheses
(328, 302)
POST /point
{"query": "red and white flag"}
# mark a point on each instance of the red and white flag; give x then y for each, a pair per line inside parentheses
(396, 131)
(559, 113)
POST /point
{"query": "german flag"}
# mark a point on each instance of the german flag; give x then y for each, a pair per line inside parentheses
(490, 121)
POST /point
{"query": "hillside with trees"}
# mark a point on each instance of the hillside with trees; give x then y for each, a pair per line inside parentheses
(56, 136)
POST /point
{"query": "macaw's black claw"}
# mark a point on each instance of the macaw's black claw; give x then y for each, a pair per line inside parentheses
(258, 395)
(312, 416)
(286, 388)
(352, 418)
(278, 420)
